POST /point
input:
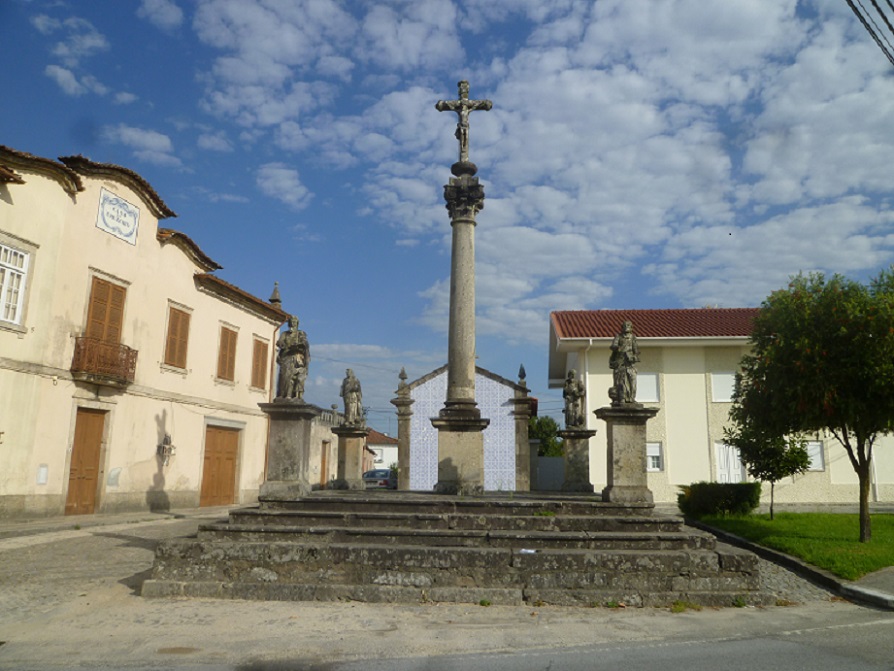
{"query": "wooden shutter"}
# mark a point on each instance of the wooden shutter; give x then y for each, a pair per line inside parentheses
(178, 335)
(259, 365)
(106, 313)
(226, 356)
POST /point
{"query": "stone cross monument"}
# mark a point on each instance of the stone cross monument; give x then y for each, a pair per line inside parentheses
(459, 423)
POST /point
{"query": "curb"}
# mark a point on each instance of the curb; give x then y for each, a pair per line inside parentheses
(818, 576)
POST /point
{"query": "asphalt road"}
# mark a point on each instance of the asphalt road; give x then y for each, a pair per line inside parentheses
(69, 600)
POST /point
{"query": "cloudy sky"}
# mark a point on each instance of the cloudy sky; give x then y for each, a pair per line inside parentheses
(639, 154)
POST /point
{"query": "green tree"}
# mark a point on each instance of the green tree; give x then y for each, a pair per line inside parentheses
(767, 458)
(546, 430)
(822, 359)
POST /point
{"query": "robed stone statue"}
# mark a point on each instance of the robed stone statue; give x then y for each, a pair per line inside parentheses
(574, 394)
(623, 360)
(293, 357)
(353, 398)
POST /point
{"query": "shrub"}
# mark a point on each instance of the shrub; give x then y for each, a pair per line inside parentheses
(719, 498)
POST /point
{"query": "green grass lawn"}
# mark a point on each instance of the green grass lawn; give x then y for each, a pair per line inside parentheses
(826, 540)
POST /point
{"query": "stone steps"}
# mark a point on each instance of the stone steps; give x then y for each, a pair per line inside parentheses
(459, 537)
(500, 575)
(397, 547)
(460, 521)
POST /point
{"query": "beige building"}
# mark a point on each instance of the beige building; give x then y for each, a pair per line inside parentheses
(130, 374)
(687, 370)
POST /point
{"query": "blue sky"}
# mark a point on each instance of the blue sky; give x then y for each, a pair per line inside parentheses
(670, 153)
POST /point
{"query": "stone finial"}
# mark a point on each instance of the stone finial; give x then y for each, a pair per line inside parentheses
(403, 388)
(275, 297)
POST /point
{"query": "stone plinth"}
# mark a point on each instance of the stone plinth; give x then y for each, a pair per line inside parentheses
(460, 456)
(351, 440)
(626, 437)
(576, 446)
(288, 449)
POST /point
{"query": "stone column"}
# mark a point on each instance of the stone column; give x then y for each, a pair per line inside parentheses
(288, 449)
(351, 442)
(459, 423)
(626, 427)
(576, 446)
(403, 403)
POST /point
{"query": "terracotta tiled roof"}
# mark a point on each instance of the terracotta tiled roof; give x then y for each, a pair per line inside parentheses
(689, 323)
(85, 166)
(68, 178)
(379, 438)
(186, 243)
(231, 292)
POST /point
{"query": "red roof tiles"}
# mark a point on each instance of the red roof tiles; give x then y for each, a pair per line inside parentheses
(688, 323)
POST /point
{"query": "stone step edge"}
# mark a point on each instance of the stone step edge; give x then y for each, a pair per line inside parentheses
(449, 516)
(484, 596)
(532, 535)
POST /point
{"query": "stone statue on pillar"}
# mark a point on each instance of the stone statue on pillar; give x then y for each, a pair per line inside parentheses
(627, 480)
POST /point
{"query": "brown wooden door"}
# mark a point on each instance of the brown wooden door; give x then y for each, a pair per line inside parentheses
(324, 464)
(219, 472)
(83, 477)
(106, 312)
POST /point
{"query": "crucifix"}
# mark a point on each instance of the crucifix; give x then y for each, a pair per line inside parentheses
(463, 107)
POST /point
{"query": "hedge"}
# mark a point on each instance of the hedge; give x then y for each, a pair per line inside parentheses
(719, 498)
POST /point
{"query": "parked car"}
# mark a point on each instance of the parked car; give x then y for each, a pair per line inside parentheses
(380, 478)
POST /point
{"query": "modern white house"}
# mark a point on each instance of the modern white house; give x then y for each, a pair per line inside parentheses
(130, 373)
(689, 358)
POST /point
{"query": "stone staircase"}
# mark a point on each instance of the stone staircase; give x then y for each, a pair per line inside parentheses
(417, 547)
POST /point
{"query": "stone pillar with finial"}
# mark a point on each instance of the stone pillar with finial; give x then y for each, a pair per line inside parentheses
(404, 404)
(522, 411)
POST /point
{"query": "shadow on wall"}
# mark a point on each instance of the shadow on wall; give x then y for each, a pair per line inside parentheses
(156, 497)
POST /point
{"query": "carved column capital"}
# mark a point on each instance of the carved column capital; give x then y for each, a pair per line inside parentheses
(464, 196)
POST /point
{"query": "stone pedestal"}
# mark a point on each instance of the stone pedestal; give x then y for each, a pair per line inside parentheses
(351, 440)
(460, 456)
(576, 445)
(626, 437)
(288, 449)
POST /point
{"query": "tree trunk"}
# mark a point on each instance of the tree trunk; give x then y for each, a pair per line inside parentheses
(865, 522)
(772, 492)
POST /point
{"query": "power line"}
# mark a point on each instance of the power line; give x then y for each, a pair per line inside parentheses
(865, 20)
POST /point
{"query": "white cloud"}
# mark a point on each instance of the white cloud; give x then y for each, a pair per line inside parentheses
(66, 80)
(82, 40)
(164, 14)
(283, 183)
(214, 142)
(421, 34)
(125, 98)
(147, 145)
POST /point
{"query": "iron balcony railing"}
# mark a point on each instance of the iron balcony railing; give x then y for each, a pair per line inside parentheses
(103, 362)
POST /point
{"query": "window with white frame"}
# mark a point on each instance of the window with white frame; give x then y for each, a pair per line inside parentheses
(722, 386)
(654, 458)
(647, 390)
(815, 452)
(13, 275)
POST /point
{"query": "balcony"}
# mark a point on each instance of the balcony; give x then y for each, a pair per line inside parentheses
(101, 362)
